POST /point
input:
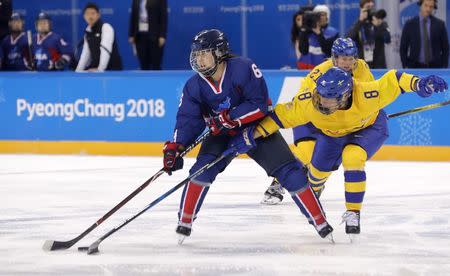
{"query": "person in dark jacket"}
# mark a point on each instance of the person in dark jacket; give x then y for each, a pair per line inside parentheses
(147, 31)
(424, 41)
(382, 36)
(100, 51)
(370, 33)
(5, 15)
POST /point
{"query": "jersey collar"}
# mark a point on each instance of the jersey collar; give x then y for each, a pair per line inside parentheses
(14, 40)
(217, 89)
(39, 40)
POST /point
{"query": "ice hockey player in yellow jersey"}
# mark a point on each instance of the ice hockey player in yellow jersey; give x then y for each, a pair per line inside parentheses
(349, 125)
(344, 53)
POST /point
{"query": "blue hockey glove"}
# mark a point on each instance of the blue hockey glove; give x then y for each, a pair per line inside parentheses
(427, 85)
(244, 141)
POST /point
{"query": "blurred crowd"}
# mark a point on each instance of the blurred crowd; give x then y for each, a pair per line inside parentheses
(424, 41)
(423, 44)
(46, 50)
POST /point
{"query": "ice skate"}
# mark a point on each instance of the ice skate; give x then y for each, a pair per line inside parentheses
(183, 230)
(274, 194)
(352, 224)
(325, 231)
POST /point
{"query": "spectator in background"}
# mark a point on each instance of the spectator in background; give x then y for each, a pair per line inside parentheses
(295, 34)
(382, 36)
(15, 48)
(370, 38)
(316, 37)
(147, 31)
(424, 41)
(5, 15)
(50, 51)
(100, 51)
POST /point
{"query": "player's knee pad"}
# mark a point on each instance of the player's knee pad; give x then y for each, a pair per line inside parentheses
(354, 157)
(292, 176)
(304, 151)
(208, 176)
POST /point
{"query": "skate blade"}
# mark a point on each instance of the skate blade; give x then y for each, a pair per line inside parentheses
(271, 201)
(330, 238)
(354, 238)
(181, 239)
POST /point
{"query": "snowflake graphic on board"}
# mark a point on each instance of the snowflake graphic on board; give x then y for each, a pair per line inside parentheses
(415, 130)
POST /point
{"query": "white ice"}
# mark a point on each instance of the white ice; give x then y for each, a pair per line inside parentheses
(405, 221)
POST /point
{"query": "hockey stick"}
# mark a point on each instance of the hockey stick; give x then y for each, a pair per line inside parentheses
(93, 248)
(51, 245)
(30, 50)
(418, 109)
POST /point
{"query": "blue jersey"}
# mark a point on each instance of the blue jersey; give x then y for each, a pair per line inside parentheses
(15, 53)
(315, 54)
(242, 90)
(49, 49)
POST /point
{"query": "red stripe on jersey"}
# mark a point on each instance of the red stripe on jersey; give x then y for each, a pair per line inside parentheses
(312, 206)
(191, 199)
(250, 118)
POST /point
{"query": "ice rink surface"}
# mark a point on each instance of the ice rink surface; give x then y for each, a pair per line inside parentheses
(405, 221)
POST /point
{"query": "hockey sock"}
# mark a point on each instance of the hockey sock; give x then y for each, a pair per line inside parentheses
(355, 188)
(354, 159)
(317, 178)
(310, 206)
(191, 201)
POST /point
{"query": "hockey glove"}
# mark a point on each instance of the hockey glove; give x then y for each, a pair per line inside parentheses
(60, 63)
(427, 85)
(221, 123)
(244, 141)
(172, 160)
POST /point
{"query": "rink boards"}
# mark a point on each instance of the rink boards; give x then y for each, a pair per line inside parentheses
(133, 113)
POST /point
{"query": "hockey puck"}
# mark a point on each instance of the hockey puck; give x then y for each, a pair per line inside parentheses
(83, 248)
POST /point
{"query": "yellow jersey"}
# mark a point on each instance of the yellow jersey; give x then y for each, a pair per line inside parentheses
(367, 99)
(361, 72)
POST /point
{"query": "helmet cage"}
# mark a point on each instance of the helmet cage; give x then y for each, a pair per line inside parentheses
(207, 71)
(333, 104)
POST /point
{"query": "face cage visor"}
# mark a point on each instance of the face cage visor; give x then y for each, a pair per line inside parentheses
(204, 62)
(328, 106)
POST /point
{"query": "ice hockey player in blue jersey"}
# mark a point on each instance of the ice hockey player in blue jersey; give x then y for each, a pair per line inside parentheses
(229, 95)
(15, 50)
(50, 50)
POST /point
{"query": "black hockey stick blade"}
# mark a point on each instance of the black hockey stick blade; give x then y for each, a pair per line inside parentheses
(83, 248)
(93, 248)
(418, 109)
(51, 245)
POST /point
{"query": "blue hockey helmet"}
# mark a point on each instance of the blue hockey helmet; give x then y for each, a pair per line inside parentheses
(43, 16)
(208, 42)
(344, 53)
(344, 47)
(333, 89)
(16, 16)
